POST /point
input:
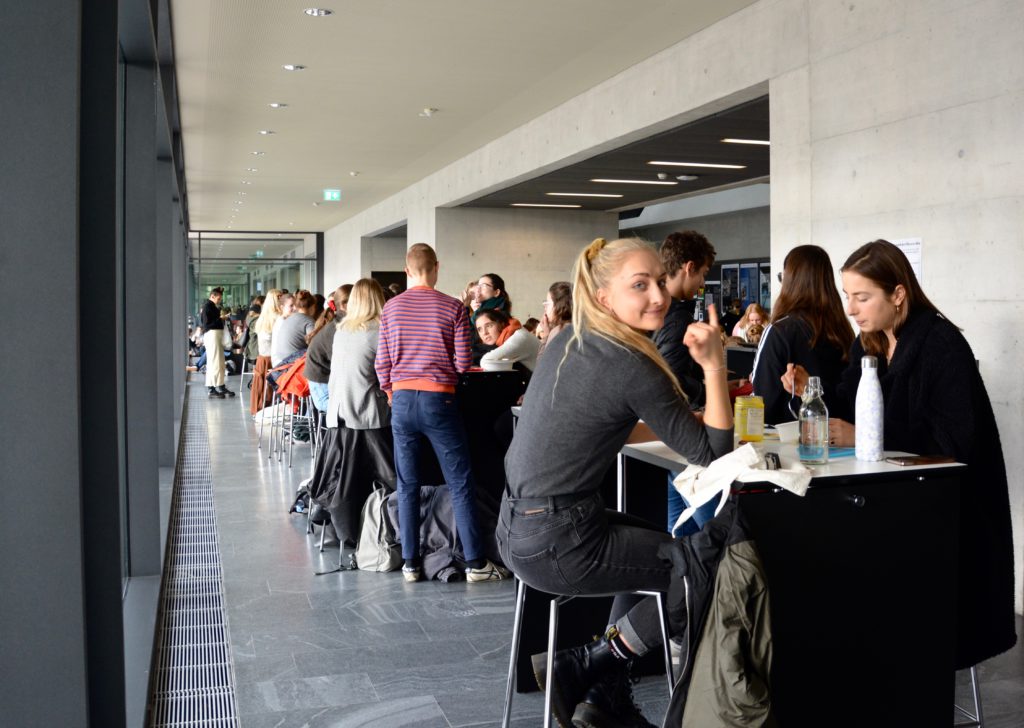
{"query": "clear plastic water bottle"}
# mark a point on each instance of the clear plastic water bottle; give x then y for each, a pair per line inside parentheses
(813, 418)
(870, 415)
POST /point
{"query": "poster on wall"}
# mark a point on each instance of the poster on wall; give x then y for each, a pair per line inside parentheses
(712, 295)
(730, 284)
(750, 285)
(911, 248)
(765, 275)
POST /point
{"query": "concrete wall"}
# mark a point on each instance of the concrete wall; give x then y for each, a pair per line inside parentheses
(530, 249)
(383, 254)
(736, 235)
(889, 118)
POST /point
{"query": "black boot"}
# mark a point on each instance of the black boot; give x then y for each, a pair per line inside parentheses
(575, 671)
(609, 704)
(225, 391)
(215, 394)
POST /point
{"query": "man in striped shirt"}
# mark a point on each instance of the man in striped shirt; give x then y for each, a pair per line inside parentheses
(424, 344)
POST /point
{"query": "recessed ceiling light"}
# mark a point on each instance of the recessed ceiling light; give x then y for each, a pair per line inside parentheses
(428, 112)
(293, 67)
(762, 142)
(698, 164)
(580, 194)
(242, 193)
(353, 174)
(291, 223)
(257, 154)
(634, 181)
(687, 177)
(318, 12)
(246, 182)
(277, 105)
(251, 169)
(267, 132)
(533, 204)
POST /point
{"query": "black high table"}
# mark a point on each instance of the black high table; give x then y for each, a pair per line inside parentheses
(862, 585)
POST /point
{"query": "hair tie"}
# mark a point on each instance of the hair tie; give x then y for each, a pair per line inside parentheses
(594, 248)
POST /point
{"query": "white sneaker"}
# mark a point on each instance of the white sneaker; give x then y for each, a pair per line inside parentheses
(412, 573)
(487, 572)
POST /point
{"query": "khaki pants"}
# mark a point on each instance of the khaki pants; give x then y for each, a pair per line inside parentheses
(214, 357)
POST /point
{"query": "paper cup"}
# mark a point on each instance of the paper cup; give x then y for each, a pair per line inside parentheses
(789, 432)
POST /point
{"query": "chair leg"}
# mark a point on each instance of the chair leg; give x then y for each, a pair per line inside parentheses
(552, 639)
(323, 533)
(663, 618)
(517, 628)
(977, 718)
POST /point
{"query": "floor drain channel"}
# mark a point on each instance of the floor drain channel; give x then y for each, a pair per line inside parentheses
(192, 684)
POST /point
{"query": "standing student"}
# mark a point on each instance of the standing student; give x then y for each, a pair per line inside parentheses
(687, 256)
(596, 381)
(213, 332)
(320, 342)
(424, 345)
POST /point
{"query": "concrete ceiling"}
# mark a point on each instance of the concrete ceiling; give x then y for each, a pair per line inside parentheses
(371, 68)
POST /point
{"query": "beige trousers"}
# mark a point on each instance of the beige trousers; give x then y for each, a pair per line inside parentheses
(214, 357)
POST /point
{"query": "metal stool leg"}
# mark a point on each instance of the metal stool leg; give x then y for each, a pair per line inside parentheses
(663, 618)
(552, 633)
(323, 534)
(975, 719)
(517, 629)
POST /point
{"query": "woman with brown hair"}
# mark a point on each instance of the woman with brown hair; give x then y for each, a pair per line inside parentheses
(808, 328)
(935, 404)
(320, 342)
(557, 311)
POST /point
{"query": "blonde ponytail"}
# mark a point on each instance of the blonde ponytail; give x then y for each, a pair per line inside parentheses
(593, 270)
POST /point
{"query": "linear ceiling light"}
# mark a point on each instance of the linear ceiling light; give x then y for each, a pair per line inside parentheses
(762, 142)
(318, 12)
(277, 105)
(634, 181)
(267, 132)
(703, 165)
(580, 194)
(293, 67)
(537, 204)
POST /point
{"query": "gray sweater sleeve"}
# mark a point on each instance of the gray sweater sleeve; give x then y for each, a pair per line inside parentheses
(655, 402)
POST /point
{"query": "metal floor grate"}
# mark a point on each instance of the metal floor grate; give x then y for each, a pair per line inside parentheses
(192, 685)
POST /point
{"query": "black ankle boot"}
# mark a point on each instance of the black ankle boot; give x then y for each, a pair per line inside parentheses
(575, 671)
(609, 704)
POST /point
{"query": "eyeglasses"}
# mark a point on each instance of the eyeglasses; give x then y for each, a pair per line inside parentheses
(546, 302)
(484, 285)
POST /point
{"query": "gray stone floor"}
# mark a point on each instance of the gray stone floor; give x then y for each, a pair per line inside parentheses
(365, 649)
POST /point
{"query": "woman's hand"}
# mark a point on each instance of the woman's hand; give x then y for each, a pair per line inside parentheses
(841, 433)
(704, 342)
(795, 379)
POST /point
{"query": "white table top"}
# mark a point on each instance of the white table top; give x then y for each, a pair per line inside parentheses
(659, 454)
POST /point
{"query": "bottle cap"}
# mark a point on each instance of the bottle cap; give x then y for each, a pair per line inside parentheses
(869, 362)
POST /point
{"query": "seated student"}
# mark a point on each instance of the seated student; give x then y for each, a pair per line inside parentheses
(753, 316)
(557, 313)
(590, 389)
(358, 447)
(320, 341)
(808, 328)
(510, 340)
(754, 333)
(289, 335)
(531, 325)
(935, 404)
(491, 294)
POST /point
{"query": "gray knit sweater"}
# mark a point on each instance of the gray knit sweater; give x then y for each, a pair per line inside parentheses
(568, 435)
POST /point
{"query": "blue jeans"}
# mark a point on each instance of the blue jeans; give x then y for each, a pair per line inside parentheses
(320, 394)
(434, 414)
(677, 504)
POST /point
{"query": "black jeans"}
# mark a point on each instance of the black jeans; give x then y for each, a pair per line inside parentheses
(574, 545)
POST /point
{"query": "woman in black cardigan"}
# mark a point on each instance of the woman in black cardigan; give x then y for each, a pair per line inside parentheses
(935, 403)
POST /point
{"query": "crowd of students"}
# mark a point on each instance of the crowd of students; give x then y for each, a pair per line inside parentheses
(616, 346)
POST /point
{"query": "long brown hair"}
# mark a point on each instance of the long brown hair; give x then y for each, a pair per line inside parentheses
(886, 266)
(594, 269)
(809, 292)
(340, 298)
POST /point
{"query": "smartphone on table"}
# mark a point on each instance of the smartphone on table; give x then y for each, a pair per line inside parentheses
(920, 459)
